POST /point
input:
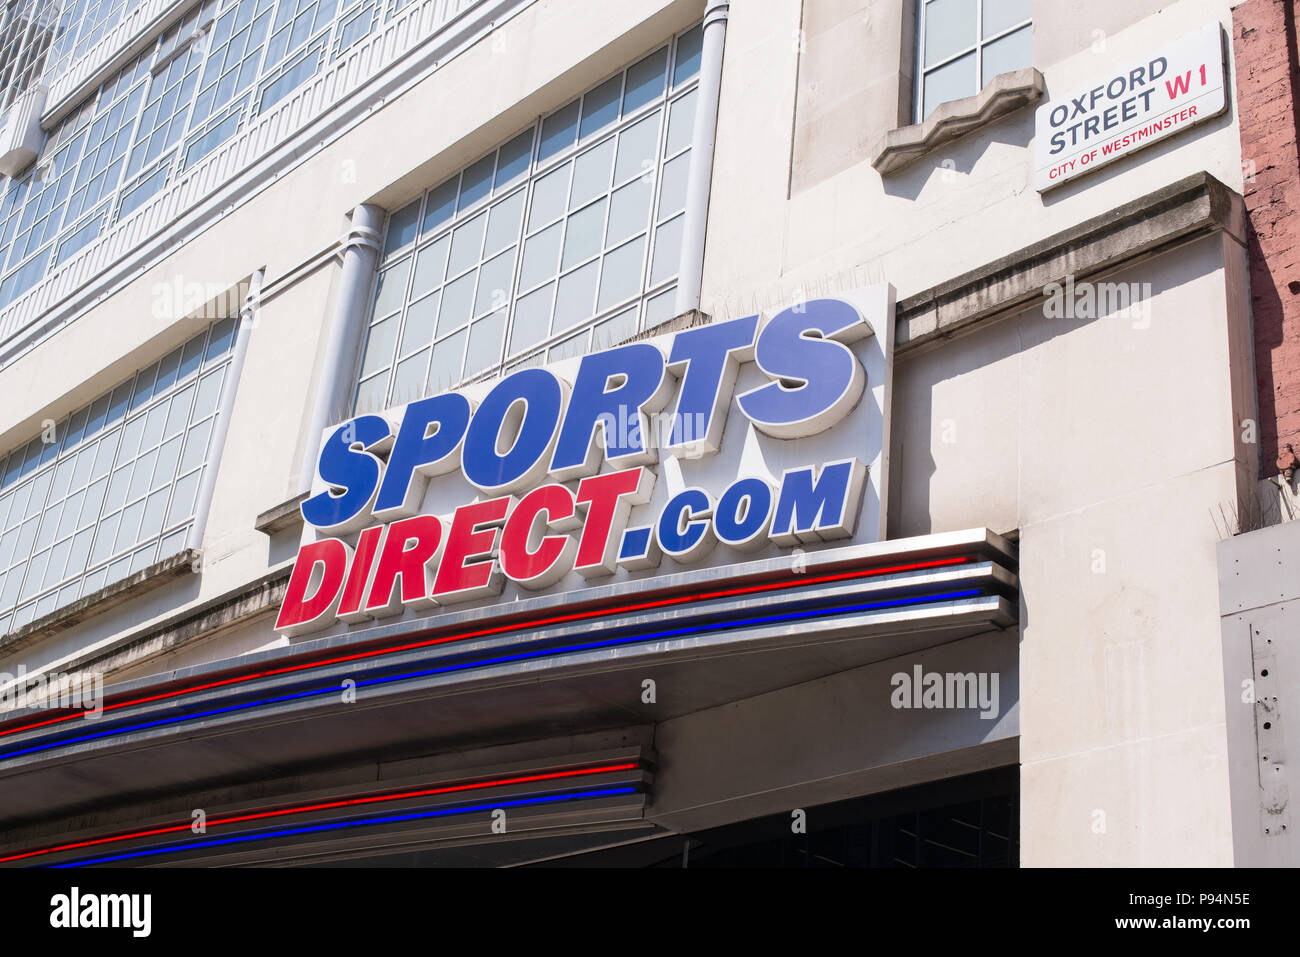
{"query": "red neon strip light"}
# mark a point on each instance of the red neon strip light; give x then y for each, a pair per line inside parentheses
(499, 629)
(347, 802)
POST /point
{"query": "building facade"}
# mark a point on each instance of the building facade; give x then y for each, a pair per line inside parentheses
(670, 433)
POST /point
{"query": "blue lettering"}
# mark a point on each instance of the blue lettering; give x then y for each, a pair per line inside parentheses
(419, 453)
(510, 438)
(351, 470)
(817, 379)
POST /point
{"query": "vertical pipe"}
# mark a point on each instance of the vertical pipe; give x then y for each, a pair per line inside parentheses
(217, 441)
(347, 326)
(691, 270)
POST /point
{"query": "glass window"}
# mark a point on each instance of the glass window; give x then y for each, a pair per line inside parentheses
(112, 487)
(571, 229)
(963, 44)
(193, 88)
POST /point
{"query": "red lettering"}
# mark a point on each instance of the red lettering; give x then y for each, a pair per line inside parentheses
(529, 558)
(354, 589)
(409, 546)
(301, 614)
(609, 499)
(459, 577)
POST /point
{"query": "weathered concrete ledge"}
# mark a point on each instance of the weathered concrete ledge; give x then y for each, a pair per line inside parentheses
(1005, 93)
(259, 597)
(99, 601)
(1198, 205)
(281, 517)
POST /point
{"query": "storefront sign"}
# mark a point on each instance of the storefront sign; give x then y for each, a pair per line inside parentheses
(604, 465)
(1147, 100)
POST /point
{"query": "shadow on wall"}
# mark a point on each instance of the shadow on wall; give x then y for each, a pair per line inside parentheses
(283, 546)
(961, 155)
(955, 455)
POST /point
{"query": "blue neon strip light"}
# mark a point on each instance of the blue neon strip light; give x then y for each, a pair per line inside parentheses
(483, 663)
(340, 825)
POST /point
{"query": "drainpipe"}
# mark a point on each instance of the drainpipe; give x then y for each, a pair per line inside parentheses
(347, 327)
(217, 443)
(701, 171)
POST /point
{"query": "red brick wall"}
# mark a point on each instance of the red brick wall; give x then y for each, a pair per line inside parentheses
(1268, 104)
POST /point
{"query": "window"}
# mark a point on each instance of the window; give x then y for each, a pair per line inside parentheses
(566, 238)
(111, 489)
(189, 91)
(82, 24)
(25, 33)
(964, 44)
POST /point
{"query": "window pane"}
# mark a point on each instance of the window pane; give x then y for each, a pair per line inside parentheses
(949, 28)
(689, 46)
(681, 124)
(420, 318)
(444, 371)
(600, 107)
(541, 256)
(476, 182)
(591, 174)
(661, 308)
(379, 346)
(668, 250)
(485, 341)
(430, 263)
(391, 288)
(503, 223)
(576, 294)
(494, 283)
(1000, 15)
(569, 348)
(371, 394)
(408, 380)
(440, 207)
(614, 330)
(645, 81)
(532, 318)
(457, 301)
(951, 82)
(621, 276)
(636, 149)
(402, 227)
(585, 229)
(672, 189)
(559, 132)
(629, 211)
(513, 162)
(1013, 52)
(549, 195)
(466, 245)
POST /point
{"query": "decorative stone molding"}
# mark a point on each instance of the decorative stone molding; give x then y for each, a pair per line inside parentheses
(1197, 205)
(1006, 93)
(282, 517)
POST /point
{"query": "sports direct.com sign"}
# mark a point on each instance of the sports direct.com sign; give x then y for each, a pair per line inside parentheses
(1142, 103)
(714, 444)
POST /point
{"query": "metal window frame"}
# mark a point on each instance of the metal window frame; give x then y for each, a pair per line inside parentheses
(980, 42)
(207, 367)
(537, 170)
